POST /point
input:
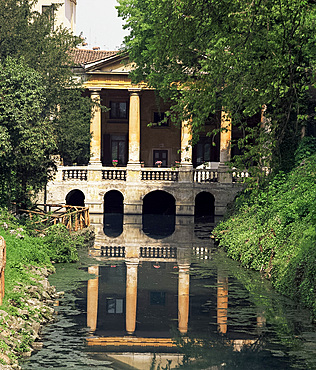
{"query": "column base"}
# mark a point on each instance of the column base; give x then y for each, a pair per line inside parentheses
(224, 174)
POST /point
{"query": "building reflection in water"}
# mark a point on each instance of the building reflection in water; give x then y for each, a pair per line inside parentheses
(141, 289)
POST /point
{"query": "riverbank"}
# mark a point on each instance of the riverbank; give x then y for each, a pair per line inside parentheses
(273, 230)
(29, 298)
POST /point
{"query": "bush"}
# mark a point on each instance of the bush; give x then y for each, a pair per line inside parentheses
(273, 230)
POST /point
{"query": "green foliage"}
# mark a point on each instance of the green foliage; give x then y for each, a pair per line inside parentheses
(239, 55)
(39, 101)
(27, 135)
(74, 140)
(273, 229)
(60, 245)
(306, 148)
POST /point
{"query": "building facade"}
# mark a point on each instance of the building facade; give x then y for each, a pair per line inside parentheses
(137, 151)
(65, 13)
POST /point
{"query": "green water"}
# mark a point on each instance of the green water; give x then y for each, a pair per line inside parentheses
(232, 318)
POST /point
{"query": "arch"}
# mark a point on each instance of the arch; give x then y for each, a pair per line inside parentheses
(113, 213)
(75, 198)
(113, 202)
(159, 202)
(204, 206)
(159, 208)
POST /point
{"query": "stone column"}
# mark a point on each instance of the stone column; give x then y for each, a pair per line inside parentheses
(225, 148)
(185, 173)
(131, 295)
(183, 297)
(92, 298)
(95, 129)
(134, 128)
(186, 148)
(222, 301)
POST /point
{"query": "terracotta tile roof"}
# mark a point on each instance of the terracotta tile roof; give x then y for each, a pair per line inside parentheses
(84, 56)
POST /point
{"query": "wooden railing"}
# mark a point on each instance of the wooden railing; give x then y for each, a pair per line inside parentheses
(73, 217)
(2, 267)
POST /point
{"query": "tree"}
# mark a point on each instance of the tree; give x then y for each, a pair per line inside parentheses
(27, 136)
(49, 107)
(204, 55)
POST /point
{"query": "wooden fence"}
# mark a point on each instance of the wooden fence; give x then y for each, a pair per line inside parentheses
(2, 266)
(73, 217)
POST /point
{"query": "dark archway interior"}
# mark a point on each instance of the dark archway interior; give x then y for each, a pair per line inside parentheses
(113, 202)
(75, 198)
(113, 213)
(204, 207)
(159, 203)
(159, 210)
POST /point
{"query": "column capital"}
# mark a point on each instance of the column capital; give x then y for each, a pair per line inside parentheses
(135, 90)
(95, 90)
(132, 262)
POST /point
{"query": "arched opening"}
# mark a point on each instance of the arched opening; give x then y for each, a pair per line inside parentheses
(159, 208)
(113, 213)
(159, 202)
(113, 202)
(75, 198)
(204, 207)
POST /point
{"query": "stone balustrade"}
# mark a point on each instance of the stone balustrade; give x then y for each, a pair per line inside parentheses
(147, 174)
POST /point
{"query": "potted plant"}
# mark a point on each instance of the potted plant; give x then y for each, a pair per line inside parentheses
(114, 162)
(142, 164)
(158, 163)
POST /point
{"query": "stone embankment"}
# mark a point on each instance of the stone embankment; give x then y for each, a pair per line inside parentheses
(19, 332)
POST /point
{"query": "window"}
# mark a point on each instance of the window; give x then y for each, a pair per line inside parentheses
(160, 156)
(160, 119)
(118, 148)
(119, 110)
(49, 10)
(206, 151)
(114, 305)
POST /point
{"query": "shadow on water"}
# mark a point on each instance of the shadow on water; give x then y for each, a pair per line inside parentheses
(158, 226)
(169, 300)
(113, 224)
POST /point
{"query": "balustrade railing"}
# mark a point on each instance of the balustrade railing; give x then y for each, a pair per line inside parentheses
(240, 175)
(114, 175)
(150, 174)
(112, 251)
(158, 252)
(160, 175)
(205, 175)
(75, 174)
(202, 253)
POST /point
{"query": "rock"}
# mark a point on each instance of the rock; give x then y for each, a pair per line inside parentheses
(37, 346)
(5, 358)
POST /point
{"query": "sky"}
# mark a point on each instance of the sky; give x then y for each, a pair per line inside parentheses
(99, 23)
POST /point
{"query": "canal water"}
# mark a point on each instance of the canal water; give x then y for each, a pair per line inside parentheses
(155, 293)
